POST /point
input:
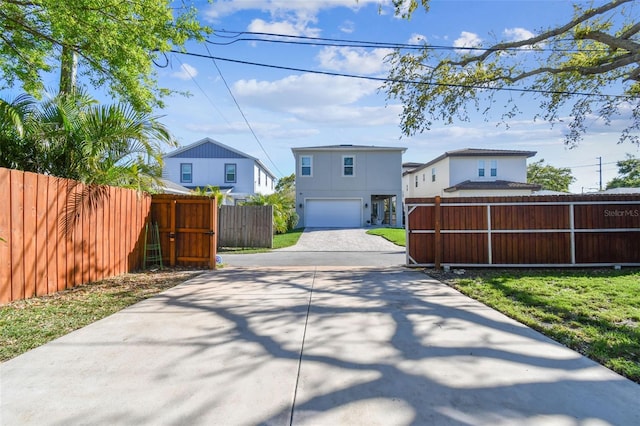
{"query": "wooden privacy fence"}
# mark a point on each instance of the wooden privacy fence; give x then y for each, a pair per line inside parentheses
(59, 233)
(188, 229)
(246, 226)
(593, 230)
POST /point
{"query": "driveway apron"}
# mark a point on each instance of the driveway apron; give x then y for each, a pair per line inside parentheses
(311, 346)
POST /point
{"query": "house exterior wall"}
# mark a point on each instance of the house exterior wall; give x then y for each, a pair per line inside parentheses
(509, 168)
(376, 172)
(454, 170)
(211, 171)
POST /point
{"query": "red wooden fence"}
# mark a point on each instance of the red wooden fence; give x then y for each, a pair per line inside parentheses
(593, 230)
(51, 244)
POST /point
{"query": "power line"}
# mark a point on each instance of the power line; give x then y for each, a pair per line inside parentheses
(338, 42)
(388, 80)
(244, 116)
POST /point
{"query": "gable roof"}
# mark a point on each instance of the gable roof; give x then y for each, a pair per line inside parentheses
(475, 152)
(211, 148)
(492, 185)
(348, 147)
(207, 148)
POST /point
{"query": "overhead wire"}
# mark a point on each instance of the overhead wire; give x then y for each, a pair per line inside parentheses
(338, 42)
(402, 81)
(244, 116)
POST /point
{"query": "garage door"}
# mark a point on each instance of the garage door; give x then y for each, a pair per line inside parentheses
(333, 213)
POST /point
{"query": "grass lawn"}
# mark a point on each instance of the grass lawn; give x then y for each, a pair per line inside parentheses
(287, 239)
(27, 324)
(595, 312)
(397, 236)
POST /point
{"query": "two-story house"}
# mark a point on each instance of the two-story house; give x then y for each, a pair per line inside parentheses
(470, 172)
(344, 186)
(209, 162)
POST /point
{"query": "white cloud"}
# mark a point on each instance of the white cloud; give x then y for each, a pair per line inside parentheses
(186, 72)
(417, 39)
(302, 91)
(222, 8)
(517, 34)
(293, 28)
(467, 40)
(354, 60)
(348, 27)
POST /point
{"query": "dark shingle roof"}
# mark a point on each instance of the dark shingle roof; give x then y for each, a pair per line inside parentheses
(492, 185)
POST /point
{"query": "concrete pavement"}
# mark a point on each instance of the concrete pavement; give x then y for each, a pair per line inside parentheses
(327, 247)
(311, 346)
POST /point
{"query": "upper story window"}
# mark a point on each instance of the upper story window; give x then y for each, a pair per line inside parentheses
(424, 179)
(259, 177)
(416, 181)
(186, 172)
(306, 165)
(348, 165)
(494, 168)
(481, 168)
(433, 174)
(230, 175)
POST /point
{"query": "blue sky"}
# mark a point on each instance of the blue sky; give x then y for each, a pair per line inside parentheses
(290, 109)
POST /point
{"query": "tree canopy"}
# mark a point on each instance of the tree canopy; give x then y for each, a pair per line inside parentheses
(628, 174)
(549, 177)
(590, 65)
(116, 42)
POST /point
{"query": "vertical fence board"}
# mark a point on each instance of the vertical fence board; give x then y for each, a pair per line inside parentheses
(41, 235)
(30, 233)
(17, 235)
(5, 234)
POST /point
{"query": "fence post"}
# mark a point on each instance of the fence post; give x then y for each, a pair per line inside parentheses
(438, 237)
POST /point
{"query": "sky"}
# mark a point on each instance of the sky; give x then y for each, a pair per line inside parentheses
(265, 112)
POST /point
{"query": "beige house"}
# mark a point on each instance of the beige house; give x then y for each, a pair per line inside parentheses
(469, 172)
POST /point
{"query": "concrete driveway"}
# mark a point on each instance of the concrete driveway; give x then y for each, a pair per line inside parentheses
(327, 247)
(311, 346)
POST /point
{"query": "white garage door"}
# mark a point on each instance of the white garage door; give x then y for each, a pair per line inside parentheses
(333, 213)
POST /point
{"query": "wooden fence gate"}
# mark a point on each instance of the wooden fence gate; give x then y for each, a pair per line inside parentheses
(188, 228)
(540, 231)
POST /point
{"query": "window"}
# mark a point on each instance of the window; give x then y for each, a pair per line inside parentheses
(481, 168)
(416, 181)
(186, 172)
(423, 178)
(230, 173)
(433, 174)
(259, 177)
(494, 168)
(306, 163)
(348, 166)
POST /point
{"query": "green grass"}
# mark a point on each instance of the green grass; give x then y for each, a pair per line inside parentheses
(287, 239)
(27, 324)
(397, 236)
(595, 312)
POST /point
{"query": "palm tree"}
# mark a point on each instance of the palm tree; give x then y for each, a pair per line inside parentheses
(212, 191)
(71, 136)
(285, 217)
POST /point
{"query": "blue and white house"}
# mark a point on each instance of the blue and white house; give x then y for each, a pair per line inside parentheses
(209, 162)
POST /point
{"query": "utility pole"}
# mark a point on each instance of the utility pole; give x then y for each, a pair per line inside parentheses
(600, 171)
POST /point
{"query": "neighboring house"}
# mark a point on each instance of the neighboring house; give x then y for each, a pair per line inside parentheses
(470, 172)
(209, 162)
(346, 186)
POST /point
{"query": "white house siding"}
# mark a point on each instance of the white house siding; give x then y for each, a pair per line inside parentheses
(210, 171)
(509, 168)
(453, 170)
